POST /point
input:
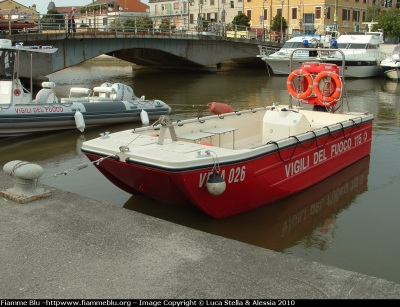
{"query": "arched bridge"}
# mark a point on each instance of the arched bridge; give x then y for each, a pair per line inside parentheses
(177, 51)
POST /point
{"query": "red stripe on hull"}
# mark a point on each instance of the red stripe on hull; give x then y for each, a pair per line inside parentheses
(249, 184)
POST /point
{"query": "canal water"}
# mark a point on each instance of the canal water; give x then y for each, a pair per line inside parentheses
(350, 220)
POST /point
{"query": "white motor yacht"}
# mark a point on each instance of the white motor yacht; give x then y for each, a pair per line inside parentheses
(362, 54)
(391, 65)
(361, 51)
(279, 61)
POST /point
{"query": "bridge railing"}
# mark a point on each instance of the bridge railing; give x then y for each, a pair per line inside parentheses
(106, 25)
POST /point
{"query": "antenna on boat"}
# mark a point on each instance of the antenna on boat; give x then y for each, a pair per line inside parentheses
(370, 24)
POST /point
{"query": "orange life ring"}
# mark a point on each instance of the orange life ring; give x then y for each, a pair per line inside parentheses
(307, 83)
(337, 83)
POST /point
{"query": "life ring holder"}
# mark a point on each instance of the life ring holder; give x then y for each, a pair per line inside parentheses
(290, 85)
(335, 96)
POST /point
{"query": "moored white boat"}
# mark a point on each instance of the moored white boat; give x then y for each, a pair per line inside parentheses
(362, 54)
(361, 51)
(107, 104)
(391, 65)
(232, 162)
(279, 60)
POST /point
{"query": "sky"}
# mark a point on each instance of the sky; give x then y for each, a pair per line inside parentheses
(41, 5)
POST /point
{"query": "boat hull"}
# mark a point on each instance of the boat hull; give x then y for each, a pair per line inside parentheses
(393, 74)
(24, 119)
(251, 182)
(18, 24)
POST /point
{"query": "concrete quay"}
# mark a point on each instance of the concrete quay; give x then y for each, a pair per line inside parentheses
(66, 246)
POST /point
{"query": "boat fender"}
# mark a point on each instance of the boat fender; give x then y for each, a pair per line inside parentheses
(144, 117)
(216, 184)
(219, 108)
(205, 143)
(79, 121)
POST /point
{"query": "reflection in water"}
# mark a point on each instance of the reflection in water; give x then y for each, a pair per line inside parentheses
(307, 218)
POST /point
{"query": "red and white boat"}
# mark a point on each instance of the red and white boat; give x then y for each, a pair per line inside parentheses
(239, 160)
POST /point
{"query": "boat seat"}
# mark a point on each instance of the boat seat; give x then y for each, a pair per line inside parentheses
(209, 133)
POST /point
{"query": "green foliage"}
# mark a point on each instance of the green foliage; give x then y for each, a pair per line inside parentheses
(276, 23)
(144, 22)
(389, 22)
(129, 24)
(372, 13)
(229, 27)
(116, 25)
(53, 18)
(241, 20)
(202, 24)
(166, 24)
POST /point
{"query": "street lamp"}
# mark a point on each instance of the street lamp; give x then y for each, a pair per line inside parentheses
(282, 1)
(262, 14)
(191, 3)
(200, 18)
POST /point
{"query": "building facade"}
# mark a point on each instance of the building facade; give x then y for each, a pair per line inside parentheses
(17, 9)
(300, 15)
(101, 13)
(310, 15)
(186, 13)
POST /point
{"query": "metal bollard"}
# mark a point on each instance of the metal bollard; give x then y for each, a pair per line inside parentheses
(25, 176)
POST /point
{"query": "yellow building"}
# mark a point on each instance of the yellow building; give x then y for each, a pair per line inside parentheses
(312, 15)
(10, 7)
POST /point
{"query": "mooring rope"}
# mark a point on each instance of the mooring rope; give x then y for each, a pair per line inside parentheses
(98, 161)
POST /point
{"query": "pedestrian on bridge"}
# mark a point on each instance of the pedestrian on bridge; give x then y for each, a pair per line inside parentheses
(71, 21)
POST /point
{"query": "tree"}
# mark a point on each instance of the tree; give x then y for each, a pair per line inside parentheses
(202, 24)
(166, 24)
(389, 22)
(53, 19)
(130, 24)
(241, 20)
(276, 23)
(144, 22)
(372, 14)
(116, 25)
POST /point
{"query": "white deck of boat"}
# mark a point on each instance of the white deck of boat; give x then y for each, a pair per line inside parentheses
(230, 138)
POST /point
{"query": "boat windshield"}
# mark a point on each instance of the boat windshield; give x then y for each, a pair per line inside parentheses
(352, 46)
(294, 45)
(6, 64)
